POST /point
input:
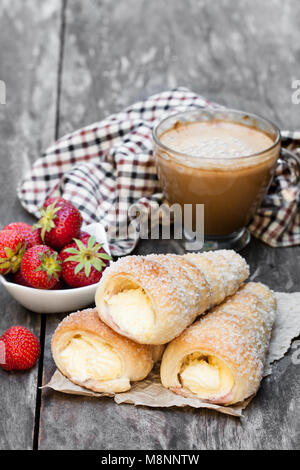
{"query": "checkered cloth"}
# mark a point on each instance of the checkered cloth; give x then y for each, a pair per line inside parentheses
(107, 167)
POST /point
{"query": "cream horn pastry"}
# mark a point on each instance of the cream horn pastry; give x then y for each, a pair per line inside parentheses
(220, 358)
(94, 356)
(152, 299)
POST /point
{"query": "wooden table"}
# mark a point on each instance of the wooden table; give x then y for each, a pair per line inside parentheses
(69, 63)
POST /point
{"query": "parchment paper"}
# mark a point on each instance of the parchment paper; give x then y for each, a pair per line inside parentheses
(151, 393)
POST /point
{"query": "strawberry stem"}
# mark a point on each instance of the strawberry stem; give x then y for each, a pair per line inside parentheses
(50, 264)
(13, 258)
(46, 223)
(87, 256)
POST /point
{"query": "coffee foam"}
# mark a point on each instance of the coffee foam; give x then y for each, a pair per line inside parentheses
(215, 139)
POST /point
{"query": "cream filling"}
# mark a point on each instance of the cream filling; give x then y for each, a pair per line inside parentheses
(131, 310)
(206, 376)
(86, 357)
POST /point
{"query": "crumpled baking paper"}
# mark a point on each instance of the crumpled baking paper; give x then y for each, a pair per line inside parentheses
(150, 391)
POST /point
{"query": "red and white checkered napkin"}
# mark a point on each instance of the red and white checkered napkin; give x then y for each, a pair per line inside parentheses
(108, 166)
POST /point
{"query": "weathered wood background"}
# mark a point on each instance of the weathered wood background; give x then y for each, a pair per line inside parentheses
(67, 63)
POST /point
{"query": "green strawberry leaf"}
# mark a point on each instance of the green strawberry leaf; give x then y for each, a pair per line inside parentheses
(78, 268)
(71, 250)
(87, 268)
(9, 252)
(91, 242)
(80, 245)
(98, 264)
(105, 256)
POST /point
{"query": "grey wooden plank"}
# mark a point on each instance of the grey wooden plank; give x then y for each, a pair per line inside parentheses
(244, 55)
(29, 38)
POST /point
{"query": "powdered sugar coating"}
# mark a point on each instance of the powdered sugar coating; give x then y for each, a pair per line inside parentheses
(180, 288)
(224, 271)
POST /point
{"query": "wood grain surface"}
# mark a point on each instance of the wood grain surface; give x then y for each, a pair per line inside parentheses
(74, 62)
(29, 39)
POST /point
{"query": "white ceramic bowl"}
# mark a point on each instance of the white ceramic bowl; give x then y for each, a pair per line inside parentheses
(58, 301)
(51, 301)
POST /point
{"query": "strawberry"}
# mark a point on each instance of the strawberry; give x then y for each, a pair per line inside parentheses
(29, 235)
(12, 249)
(84, 236)
(18, 278)
(60, 285)
(19, 349)
(59, 224)
(41, 267)
(60, 200)
(83, 262)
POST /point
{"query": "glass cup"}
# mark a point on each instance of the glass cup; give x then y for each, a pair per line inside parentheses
(230, 188)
